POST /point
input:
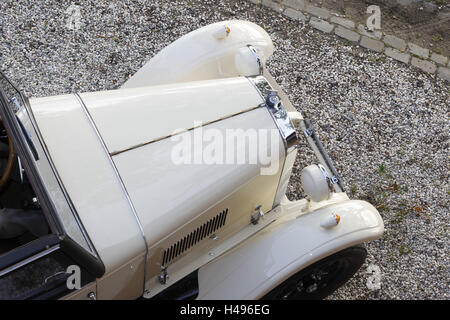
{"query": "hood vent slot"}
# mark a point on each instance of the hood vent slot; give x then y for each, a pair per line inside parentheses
(203, 231)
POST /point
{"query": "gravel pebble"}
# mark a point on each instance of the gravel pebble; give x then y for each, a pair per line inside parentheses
(385, 123)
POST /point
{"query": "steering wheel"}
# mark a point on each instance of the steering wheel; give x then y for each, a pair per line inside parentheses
(6, 175)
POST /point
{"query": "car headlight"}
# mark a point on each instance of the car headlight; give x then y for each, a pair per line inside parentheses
(316, 182)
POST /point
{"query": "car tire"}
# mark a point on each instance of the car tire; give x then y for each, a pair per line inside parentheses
(322, 278)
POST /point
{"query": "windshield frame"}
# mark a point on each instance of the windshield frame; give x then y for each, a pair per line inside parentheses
(19, 125)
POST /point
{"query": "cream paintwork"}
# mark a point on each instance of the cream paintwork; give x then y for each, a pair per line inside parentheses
(200, 56)
(288, 245)
(167, 201)
(137, 116)
(124, 283)
(89, 179)
(83, 293)
(172, 205)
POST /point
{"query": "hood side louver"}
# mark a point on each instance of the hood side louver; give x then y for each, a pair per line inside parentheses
(203, 231)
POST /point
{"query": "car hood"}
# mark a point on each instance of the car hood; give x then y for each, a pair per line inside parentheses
(130, 118)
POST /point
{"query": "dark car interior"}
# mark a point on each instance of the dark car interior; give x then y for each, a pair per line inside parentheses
(21, 218)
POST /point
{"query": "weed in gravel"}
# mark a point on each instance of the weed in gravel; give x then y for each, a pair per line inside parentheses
(347, 43)
(382, 171)
(404, 250)
(380, 202)
(400, 214)
(353, 190)
(437, 38)
(380, 58)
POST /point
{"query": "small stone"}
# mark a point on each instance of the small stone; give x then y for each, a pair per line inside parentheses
(321, 25)
(318, 12)
(372, 44)
(418, 51)
(294, 14)
(397, 55)
(424, 65)
(343, 22)
(395, 42)
(347, 34)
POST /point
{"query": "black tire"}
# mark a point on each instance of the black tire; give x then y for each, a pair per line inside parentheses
(322, 278)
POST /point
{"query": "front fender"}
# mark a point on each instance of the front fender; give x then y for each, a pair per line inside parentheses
(289, 244)
(200, 55)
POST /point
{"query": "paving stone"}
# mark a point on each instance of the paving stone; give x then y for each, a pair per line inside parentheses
(371, 34)
(404, 2)
(439, 59)
(395, 42)
(430, 7)
(295, 4)
(419, 51)
(372, 44)
(294, 14)
(424, 65)
(318, 12)
(397, 55)
(444, 73)
(272, 5)
(321, 25)
(343, 22)
(347, 34)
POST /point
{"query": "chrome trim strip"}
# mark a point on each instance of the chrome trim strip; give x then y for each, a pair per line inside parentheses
(122, 185)
(257, 58)
(29, 260)
(115, 153)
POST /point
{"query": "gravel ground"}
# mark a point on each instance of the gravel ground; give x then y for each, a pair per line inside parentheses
(385, 124)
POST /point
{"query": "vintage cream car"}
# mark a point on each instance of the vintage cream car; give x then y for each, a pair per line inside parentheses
(100, 202)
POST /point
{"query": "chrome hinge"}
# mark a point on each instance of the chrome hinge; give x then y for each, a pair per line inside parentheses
(309, 132)
(334, 179)
(163, 276)
(257, 215)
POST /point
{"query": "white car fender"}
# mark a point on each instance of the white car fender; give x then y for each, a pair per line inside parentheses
(218, 50)
(291, 243)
